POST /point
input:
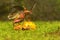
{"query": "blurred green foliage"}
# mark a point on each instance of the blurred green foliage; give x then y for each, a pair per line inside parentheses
(41, 33)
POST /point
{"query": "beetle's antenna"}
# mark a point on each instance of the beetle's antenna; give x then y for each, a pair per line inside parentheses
(34, 5)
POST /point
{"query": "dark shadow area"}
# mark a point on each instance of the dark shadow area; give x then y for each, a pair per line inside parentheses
(45, 10)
